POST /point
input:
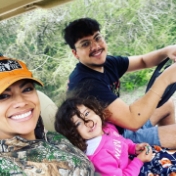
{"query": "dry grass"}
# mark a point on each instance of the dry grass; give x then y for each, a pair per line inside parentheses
(130, 97)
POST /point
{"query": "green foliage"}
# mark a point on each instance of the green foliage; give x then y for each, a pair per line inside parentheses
(130, 27)
(131, 81)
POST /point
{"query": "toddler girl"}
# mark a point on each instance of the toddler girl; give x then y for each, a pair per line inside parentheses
(82, 121)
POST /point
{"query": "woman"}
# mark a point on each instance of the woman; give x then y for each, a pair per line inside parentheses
(25, 148)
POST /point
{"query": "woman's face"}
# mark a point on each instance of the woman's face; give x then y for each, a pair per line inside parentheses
(91, 129)
(19, 110)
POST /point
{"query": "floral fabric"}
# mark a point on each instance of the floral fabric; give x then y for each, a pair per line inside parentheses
(54, 156)
(162, 164)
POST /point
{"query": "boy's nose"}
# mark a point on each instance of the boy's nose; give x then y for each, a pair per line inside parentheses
(93, 44)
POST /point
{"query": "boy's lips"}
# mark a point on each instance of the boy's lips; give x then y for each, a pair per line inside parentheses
(96, 53)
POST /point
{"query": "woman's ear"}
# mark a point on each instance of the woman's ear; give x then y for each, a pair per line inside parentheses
(75, 53)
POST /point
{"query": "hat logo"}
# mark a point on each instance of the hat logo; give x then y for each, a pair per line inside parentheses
(9, 65)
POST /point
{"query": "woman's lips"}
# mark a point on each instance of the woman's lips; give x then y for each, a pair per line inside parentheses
(21, 116)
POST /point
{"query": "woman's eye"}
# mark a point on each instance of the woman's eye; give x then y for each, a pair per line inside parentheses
(28, 89)
(4, 96)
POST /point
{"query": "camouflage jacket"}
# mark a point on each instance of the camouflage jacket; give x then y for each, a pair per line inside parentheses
(54, 156)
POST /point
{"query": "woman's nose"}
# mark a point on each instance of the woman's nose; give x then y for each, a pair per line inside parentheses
(18, 101)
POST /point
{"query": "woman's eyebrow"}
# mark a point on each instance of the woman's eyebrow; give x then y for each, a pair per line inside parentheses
(8, 89)
(21, 86)
(24, 83)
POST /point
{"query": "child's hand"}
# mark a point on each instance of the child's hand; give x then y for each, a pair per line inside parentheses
(146, 154)
(140, 147)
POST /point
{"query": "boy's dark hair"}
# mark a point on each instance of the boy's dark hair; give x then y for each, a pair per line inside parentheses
(63, 119)
(78, 29)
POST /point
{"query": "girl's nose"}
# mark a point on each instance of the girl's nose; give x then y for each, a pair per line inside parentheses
(89, 123)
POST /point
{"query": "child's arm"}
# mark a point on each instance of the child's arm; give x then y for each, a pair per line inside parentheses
(134, 148)
(131, 146)
(146, 154)
(140, 147)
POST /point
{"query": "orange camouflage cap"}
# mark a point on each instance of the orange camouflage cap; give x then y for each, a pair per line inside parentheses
(13, 70)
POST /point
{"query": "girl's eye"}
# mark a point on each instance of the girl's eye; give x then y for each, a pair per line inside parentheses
(87, 113)
(4, 96)
(77, 124)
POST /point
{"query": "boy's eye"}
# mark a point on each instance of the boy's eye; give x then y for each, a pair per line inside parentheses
(86, 44)
(98, 38)
(4, 96)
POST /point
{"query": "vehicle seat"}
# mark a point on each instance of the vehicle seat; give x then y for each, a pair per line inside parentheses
(48, 110)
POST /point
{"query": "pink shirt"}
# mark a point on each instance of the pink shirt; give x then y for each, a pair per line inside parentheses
(111, 155)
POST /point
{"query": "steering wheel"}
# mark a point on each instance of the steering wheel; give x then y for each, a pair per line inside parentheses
(170, 89)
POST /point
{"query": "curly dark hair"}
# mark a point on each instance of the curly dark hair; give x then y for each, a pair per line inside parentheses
(69, 108)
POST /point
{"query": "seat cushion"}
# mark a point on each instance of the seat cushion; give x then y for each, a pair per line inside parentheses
(48, 110)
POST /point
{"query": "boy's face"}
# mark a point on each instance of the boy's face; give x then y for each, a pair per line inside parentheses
(91, 50)
(91, 127)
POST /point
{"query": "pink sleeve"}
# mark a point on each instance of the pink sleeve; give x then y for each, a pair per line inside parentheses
(130, 143)
(133, 168)
(131, 146)
(109, 165)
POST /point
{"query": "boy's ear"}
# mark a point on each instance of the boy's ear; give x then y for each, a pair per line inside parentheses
(75, 53)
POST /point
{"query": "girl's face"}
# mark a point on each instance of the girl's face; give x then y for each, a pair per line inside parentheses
(91, 129)
(19, 110)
